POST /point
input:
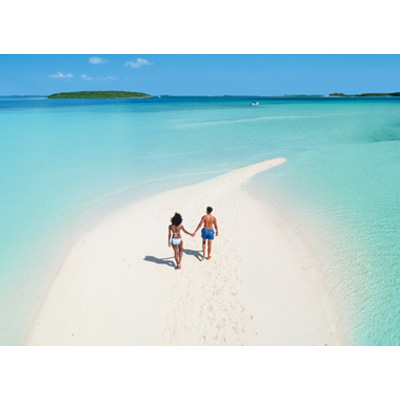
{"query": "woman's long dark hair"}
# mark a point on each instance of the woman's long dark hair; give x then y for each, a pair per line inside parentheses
(176, 219)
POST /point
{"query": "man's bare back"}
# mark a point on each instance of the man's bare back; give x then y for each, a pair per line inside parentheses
(209, 221)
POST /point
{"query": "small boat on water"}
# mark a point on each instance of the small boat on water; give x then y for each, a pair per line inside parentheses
(254, 103)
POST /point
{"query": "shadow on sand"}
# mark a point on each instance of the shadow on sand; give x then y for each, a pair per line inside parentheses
(170, 261)
(166, 261)
(194, 253)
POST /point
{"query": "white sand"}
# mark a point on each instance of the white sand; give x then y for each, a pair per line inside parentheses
(118, 285)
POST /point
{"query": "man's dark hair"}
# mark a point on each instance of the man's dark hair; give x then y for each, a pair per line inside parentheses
(209, 210)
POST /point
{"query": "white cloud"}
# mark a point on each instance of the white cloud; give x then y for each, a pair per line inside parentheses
(107, 78)
(97, 60)
(61, 75)
(138, 63)
(89, 78)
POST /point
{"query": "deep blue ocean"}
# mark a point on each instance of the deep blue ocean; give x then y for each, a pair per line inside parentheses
(63, 163)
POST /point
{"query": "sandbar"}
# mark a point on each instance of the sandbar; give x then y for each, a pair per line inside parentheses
(119, 286)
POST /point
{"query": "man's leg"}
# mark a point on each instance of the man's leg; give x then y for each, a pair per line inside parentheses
(209, 248)
(204, 248)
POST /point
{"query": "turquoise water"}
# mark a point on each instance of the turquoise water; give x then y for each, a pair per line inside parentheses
(64, 162)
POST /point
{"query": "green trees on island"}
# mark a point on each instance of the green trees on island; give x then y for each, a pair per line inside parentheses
(109, 94)
(118, 94)
(365, 94)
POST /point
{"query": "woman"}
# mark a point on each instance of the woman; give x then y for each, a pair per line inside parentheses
(174, 230)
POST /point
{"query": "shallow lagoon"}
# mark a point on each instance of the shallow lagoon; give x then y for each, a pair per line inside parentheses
(64, 163)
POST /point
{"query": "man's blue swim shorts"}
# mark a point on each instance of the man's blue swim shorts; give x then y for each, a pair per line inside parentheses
(207, 234)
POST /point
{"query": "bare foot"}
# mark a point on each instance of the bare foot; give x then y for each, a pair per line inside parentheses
(209, 258)
(202, 258)
(179, 266)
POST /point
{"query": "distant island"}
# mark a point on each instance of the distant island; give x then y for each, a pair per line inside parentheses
(115, 94)
(109, 94)
(365, 94)
(303, 95)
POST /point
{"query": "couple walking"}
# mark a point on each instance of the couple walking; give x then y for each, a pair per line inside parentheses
(207, 234)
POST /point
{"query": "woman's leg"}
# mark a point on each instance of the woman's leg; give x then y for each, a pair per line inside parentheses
(180, 245)
(176, 254)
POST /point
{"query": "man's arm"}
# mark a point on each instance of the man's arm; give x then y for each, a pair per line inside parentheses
(216, 226)
(201, 222)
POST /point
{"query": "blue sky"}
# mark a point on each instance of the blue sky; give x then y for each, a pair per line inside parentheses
(200, 74)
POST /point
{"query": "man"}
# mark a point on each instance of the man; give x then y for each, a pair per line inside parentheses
(207, 233)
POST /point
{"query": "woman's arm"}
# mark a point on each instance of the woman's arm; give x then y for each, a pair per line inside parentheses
(187, 233)
(169, 236)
